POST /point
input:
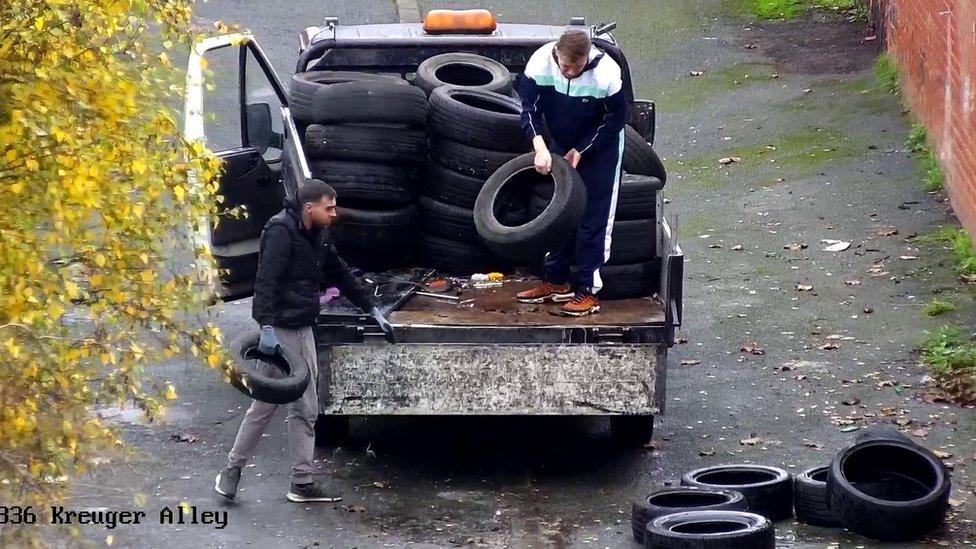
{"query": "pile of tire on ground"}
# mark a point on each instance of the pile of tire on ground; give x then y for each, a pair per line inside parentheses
(634, 266)
(474, 127)
(366, 135)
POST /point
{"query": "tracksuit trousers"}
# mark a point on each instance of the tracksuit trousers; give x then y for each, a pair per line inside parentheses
(590, 246)
(301, 414)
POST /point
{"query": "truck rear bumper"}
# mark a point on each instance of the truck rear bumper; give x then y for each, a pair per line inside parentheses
(493, 379)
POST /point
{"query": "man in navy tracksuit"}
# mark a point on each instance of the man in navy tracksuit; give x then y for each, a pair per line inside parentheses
(575, 91)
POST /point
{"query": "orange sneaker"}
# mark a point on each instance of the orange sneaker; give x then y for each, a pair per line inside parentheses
(581, 305)
(556, 293)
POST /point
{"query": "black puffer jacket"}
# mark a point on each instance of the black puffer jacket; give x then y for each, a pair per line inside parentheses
(294, 266)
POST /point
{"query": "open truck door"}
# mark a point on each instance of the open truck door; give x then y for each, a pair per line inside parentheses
(235, 104)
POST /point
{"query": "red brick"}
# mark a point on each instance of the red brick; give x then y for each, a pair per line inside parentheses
(933, 43)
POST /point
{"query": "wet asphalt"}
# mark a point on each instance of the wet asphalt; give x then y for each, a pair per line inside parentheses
(822, 157)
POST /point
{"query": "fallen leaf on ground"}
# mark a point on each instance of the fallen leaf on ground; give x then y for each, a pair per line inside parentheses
(854, 282)
(829, 346)
(752, 347)
(836, 245)
(956, 502)
(941, 455)
(795, 247)
(736, 248)
(690, 361)
(814, 445)
(803, 288)
(729, 160)
(706, 452)
(920, 433)
(850, 429)
(183, 437)
(714, 246)
(751, 441)
(652, 445)
(908, 257)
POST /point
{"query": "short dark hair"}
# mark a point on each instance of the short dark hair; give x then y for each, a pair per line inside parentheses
(575, 43)
(314, 190)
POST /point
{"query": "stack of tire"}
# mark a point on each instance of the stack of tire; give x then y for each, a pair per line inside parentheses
(474, 129)
(884, 486)
(634, 267)
(365, 134)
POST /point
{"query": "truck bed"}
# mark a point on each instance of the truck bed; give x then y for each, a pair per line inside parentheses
(497, 307)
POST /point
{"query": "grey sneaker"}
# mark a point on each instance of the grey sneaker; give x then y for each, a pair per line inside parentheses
(313, 491)
(226, 482)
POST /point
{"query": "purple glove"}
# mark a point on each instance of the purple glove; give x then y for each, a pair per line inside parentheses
(329, 295)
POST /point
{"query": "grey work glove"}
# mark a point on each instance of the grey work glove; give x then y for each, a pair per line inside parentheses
(268, 344)
(384, 324)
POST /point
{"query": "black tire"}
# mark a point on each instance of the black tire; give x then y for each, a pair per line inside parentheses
(636, 198)
(632, 431)
(810, 498)
(375, 240)
(633, 241)
(710, 530)
(375, 143)
(640, 158)
(889, 490)
(769, 490)
(478, 118)
(630, 281)
(457, 258)
(275, 390)
(451, 187)
(678, 499)
(364, 101)
(880, 431)
(368, 185)
(467, 160)
(514, 184)
(465, 71)
(447, 221)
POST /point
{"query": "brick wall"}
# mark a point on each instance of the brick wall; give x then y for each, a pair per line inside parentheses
(934, 44)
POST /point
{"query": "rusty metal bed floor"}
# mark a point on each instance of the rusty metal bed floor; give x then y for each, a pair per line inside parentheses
(497, 307)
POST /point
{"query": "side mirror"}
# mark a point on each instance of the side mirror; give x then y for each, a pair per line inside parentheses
(644, 119)
(260, 134)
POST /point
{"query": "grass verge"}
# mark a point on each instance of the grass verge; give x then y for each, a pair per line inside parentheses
(791, 9)
(960, 244)
(951, 353)
(938, 307)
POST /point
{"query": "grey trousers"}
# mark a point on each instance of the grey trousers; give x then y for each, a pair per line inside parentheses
(301, 414)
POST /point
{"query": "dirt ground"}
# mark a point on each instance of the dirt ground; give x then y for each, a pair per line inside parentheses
(832, 333)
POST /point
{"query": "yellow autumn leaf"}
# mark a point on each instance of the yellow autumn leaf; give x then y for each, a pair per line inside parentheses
(170, 393)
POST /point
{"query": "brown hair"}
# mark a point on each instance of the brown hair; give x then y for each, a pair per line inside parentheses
(314, 190)
(575, 43)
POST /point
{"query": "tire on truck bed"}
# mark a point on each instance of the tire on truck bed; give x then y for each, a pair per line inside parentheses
(365, 101)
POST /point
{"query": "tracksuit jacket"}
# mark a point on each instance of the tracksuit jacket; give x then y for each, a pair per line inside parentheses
(586, 113)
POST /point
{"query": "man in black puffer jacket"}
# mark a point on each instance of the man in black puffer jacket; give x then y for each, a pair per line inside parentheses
(295, 263)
